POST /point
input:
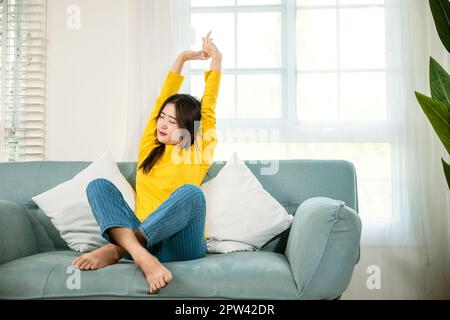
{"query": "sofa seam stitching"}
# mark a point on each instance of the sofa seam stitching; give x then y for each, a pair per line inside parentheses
(131, 281)
(46, 280)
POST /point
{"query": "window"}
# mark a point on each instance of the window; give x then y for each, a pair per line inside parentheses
(340, 61)
(310, 75)
(23, 42)
(250, 38)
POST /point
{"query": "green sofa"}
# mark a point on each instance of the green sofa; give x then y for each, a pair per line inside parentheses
(313, 259)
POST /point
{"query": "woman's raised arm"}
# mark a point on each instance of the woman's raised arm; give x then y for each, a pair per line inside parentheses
(171, 85)
(174, 80)
(208, 138)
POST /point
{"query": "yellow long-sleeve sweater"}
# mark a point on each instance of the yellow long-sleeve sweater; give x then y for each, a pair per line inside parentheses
(177, 166)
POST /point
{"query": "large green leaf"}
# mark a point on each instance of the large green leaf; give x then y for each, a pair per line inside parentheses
(446, 171)
(439, 82)
(441, 15)
(439, 115)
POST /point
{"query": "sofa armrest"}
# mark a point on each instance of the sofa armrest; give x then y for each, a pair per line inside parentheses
(17, 238)
(323, 247)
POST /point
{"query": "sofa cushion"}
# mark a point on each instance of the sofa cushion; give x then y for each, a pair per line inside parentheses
(43, 241)
(240, 214)
(49, 228)
(68, 207)
(258, 275)
(17, 237)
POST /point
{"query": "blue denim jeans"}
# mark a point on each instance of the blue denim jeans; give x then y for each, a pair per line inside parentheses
(174, 231)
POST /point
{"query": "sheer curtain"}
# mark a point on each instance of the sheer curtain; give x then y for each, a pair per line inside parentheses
(403, 256)
(410, 254)
(158, 31)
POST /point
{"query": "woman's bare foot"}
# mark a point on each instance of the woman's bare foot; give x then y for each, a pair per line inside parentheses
(156, 274)
(104, 256)
(100, 258)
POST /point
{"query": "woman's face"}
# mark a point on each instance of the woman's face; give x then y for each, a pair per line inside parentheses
(167, 123)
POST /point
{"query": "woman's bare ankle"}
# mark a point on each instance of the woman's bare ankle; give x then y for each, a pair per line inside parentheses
(140, 237)
(118, 250)
(138, 252)
(143, 256)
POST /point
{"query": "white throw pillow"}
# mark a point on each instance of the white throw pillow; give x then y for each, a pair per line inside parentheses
(68, 208)
(240, 214)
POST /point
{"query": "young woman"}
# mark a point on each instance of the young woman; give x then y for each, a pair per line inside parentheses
(173, 159)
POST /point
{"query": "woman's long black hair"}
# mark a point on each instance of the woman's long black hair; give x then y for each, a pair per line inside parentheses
(188, 113)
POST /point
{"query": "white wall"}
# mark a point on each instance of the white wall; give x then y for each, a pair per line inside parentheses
(87, 80)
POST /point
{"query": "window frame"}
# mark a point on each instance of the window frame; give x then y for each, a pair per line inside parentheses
(288, 71)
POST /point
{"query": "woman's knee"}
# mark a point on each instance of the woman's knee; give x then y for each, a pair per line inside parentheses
(98, 184)
(195, 192)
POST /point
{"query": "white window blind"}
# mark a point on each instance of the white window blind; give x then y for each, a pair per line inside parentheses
(23, 70)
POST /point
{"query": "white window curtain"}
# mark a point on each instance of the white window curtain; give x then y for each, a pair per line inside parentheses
(158, 32)
(412, 250)
(23, 66)
(404, 199)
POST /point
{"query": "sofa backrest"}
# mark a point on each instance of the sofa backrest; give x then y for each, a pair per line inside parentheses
(289, 181)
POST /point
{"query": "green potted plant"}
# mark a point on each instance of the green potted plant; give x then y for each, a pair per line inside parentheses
(437, 107)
